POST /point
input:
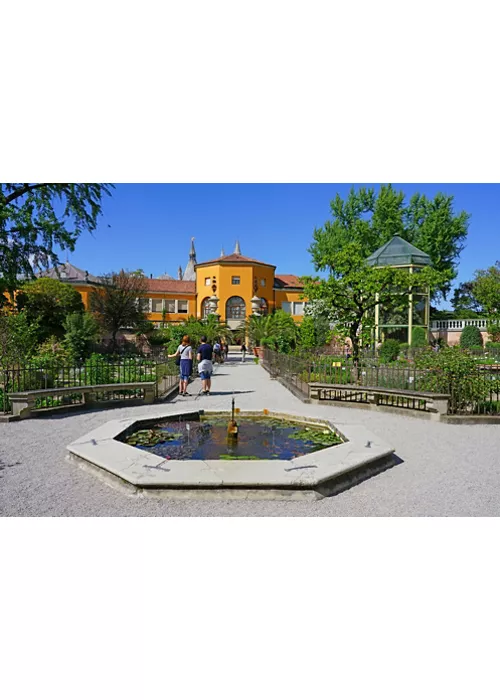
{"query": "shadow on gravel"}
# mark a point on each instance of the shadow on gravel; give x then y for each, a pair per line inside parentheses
(230, 393)
(352, 479)
(4, 466)
(78, 410)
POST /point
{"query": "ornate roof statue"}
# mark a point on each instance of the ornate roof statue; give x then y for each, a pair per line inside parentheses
(189, 273)
(237, 249)
(222, 253)
(179, 273)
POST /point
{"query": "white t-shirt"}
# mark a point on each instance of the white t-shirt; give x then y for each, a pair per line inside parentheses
(184, 351)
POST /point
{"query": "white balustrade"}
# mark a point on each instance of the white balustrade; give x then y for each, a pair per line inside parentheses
(458, 324)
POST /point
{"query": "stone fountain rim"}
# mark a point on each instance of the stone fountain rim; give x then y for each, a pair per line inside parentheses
(145, 471)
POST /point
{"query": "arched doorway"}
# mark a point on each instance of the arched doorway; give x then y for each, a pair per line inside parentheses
(235, 309)
(264, 308)
(205, 307)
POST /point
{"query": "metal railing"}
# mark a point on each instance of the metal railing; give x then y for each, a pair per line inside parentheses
(93, 372)
(476, 393)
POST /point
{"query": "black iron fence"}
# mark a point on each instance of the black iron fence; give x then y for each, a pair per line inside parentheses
(474, 393)
(95, 371)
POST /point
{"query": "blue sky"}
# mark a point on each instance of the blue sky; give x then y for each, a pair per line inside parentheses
(150, 226)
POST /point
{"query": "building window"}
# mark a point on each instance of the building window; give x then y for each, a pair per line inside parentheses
(235, 308)
(207, 281)
(287, 307)
(156, 306)
(298, 308)
(182, 306)
(263, 283)
(205, 307)
(170, 306)
(235, 280)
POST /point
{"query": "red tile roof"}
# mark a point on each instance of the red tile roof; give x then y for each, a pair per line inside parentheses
(234, 258)
(171, 286)
(288, 281)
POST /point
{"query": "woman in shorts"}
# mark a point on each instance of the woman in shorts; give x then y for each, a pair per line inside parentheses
(185, 352)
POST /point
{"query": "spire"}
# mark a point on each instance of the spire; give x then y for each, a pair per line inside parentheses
(237, 249)
(222, 253)
(179, 273)
(189, 273)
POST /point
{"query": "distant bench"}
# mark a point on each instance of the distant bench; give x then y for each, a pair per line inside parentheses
(404, 398)
(23, 402)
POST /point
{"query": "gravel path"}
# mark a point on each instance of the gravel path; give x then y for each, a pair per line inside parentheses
(446, 470)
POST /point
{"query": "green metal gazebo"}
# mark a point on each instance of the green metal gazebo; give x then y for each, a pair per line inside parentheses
(396, 322)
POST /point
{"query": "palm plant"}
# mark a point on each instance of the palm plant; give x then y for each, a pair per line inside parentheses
(214, 328)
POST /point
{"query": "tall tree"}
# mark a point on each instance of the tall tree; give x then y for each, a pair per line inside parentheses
(486, 289)
(371, 218)
(37, 218)
(464, 300)
(46, 303)
(353, 289)
(120, 302)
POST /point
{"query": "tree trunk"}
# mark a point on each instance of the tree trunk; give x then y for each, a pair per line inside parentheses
(353, 335)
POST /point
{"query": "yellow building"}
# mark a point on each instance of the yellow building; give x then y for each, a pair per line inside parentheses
(236, 286)
(240, 285)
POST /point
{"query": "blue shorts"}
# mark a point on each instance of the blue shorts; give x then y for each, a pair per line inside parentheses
(205, 375)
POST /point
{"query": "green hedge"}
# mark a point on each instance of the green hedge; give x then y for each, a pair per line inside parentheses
(471, 337)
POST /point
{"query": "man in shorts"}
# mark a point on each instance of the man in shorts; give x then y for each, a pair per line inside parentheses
(205, 367)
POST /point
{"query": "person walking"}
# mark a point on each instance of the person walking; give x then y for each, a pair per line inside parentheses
(217, 352)
(205, 366)
(226, 351)
(185, 354)
(243, 352)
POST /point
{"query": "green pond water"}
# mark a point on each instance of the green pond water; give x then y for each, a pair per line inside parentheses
(207, 439)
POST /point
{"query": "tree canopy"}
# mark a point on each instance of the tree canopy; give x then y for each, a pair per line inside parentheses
(36, 219)
(486, 289)
(46, 302)
(120, 302)
(370, 219)
(354, 288)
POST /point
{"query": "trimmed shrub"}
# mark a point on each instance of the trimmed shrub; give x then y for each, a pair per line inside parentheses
(159, 338)
(470, 337)
(493, 328)
(389, 350)
(454, 371)
(97, 371)
(419, 338)
(81, 329)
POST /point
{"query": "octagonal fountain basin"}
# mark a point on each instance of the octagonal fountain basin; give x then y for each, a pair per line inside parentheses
(190, 455)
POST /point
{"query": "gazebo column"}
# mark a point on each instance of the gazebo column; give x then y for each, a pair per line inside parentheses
(410, 311)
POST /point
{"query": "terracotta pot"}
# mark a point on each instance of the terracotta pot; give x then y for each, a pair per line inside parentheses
(256, 352)
(260, 353)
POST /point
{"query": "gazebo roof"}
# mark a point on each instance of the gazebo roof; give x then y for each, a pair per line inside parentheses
(397, 251)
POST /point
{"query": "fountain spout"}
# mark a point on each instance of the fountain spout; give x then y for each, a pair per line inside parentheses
(232, 428)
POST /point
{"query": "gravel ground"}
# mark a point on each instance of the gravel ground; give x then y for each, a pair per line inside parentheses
(446, 470)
